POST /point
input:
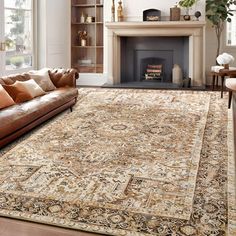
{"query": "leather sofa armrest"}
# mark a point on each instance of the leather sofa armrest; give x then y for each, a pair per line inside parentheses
(64, 78)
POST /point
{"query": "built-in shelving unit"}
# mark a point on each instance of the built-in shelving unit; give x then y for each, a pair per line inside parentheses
(87, 15)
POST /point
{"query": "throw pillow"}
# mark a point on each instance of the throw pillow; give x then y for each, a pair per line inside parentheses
(5, 98)
(24, 91)
(17, 94)
(31, 87)
(41, 77)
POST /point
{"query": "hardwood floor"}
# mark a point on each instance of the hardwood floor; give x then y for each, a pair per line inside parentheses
(11, 227)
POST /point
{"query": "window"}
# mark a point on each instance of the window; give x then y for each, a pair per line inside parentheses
(231, 29)
(18, 15)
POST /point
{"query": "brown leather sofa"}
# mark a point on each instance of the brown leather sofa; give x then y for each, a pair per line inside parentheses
(20, 118)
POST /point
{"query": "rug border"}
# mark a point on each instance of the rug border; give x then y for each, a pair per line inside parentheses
(231, 189)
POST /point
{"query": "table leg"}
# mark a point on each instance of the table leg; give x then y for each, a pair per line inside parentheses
(213, 82)
(230, 98)
(217, 81)
(222, 85)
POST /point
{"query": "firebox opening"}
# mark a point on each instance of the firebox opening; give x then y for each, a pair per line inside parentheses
(145, 59)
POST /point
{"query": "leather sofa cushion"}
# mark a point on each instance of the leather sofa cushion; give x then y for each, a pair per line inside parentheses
(20, 115)
(5, 99)
(11, 79)
(63, 78)
(1, 81)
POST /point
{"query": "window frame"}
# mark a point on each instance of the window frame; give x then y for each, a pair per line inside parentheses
(226, 33)
(33, 54)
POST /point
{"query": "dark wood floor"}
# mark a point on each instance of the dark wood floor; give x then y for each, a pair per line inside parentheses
(11, 227)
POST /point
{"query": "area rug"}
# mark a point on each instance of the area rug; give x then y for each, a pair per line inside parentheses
(125, 162)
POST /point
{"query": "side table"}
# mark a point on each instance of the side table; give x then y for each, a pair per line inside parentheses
(219, 71)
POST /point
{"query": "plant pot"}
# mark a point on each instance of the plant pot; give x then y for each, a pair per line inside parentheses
(187, 17)
(226, 66)
(83, 42)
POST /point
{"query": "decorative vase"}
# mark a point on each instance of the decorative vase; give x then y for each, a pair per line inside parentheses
(175, 13)
(177, 75)
(82, 18)
(83, 42)
(187, 17)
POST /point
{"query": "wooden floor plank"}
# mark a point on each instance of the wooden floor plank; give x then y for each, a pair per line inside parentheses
(11, 227)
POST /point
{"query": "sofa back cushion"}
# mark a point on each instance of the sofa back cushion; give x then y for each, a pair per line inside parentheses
(42, 78)
(22, 91)
(11, 79)
(2, 81)
(63, 78)
(5, 98)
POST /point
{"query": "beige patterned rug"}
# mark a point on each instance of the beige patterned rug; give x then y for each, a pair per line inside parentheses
(125, 162)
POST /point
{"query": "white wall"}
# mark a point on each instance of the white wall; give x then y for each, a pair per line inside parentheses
(54, 33)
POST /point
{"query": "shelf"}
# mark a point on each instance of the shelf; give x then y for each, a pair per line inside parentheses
(74, 46)
(87, 5)
(85, 23)
(83, 5)
(89, 68)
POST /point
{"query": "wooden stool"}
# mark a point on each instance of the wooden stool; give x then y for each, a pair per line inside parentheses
(230, 83)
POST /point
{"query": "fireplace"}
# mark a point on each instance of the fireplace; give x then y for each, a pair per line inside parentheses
(152, 58)
(128, 67)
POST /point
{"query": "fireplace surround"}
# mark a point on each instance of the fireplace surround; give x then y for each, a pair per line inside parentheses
(194, 30)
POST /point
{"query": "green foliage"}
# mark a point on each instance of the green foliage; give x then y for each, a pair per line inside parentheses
(217, 11)
(17, 61)
(187, 3)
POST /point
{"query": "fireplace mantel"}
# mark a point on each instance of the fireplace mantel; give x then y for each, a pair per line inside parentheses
(195, 30)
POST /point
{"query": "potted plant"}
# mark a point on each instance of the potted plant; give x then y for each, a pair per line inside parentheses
(187, 4)
(218, 12)
(83, 37)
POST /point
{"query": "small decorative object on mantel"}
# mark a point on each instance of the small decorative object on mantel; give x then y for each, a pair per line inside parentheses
(151, 15)
(197, 14)
(113, 11)
(225, 59)
(83, 38)
(175, 13)
(187, 4)
(120, 15)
